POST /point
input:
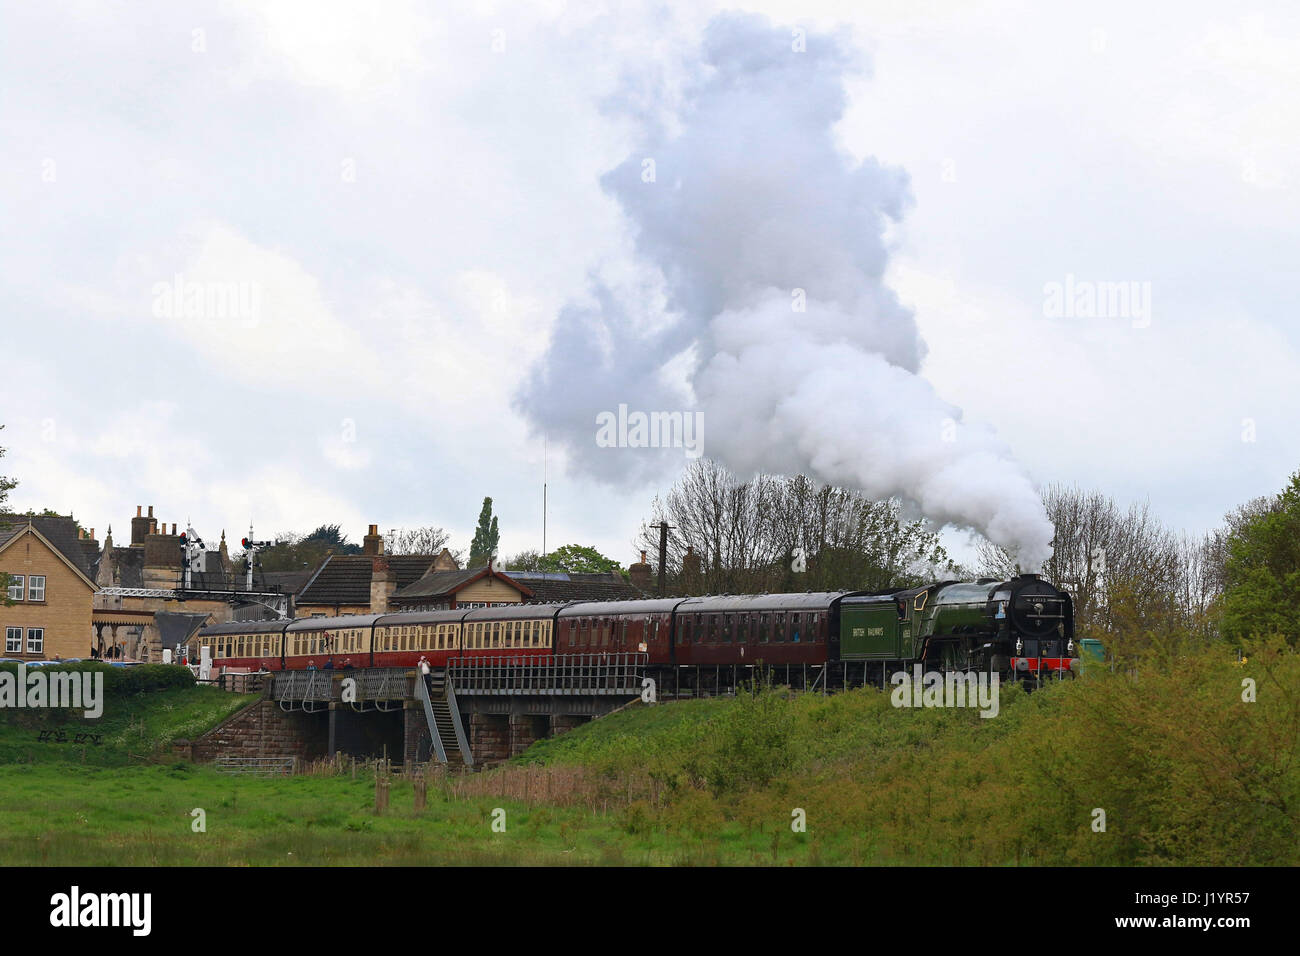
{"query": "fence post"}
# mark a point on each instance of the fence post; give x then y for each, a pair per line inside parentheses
(381, 790)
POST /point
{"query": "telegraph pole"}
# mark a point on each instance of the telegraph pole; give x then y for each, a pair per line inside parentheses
(663, 527)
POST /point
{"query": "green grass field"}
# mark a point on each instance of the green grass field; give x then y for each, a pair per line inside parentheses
(1185, 770)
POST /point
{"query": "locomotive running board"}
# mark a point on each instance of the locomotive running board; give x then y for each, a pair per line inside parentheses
(443, 717)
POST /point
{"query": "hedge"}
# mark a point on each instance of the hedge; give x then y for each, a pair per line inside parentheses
(123, 680)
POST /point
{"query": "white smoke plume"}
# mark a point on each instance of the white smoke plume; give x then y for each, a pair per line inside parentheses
(752, 204)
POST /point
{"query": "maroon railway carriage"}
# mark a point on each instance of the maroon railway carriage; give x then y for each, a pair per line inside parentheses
(618, 627)
(777, 629)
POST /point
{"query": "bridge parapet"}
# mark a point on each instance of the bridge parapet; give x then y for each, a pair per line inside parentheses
(579, 675)
(616, 675)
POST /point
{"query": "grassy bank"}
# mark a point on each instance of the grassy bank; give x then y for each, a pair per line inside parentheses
(1185, 770)
(138, 724)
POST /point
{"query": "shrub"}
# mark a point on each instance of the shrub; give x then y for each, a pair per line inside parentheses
(124, 680)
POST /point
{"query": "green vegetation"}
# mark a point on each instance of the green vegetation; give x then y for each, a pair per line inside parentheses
(1262, 592)
(6, 485)
(294, 552)
(145, 709)
(571, 558)
(1186, 770)
(486, 537)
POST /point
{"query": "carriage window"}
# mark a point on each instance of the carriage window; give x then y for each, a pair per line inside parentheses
(795, 636)
(778, 635)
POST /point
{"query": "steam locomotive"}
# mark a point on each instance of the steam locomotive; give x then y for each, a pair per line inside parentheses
(1020, 628)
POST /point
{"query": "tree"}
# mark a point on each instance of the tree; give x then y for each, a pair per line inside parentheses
(486, 537)
(1262, 570)
(6, 485)
(293, 552)
(789, 534)
(425, 540)
(528, 560)
(1130, 576)
(578, 559)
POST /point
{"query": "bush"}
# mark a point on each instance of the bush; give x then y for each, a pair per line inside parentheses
(123, 680)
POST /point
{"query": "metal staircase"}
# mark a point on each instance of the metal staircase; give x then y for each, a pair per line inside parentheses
(440, 710)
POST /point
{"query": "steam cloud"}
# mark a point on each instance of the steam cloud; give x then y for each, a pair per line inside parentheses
(752, 199)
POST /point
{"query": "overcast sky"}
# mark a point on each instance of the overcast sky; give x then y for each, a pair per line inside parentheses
(406, 199)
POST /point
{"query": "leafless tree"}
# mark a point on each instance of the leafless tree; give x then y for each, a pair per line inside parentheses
(775, 533)
(424, 540)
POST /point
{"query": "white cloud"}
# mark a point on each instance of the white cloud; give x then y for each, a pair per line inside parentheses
(410, 299)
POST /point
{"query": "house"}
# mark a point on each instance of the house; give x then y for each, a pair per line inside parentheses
(462, 588)
(49, 603)
(489, 586)
(364, 583)
(147, 603)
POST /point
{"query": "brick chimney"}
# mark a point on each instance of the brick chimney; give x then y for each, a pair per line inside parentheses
(691, 577)
(141, 527)
(383, 582)
(373, 543)
(639, 574)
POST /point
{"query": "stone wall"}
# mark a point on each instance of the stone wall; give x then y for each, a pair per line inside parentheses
(262, 729)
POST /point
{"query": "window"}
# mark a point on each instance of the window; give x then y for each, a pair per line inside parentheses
(36, 587)
(16, 582)
(13, 640)
(36, 640)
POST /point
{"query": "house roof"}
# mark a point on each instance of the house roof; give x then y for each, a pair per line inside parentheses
(176, 628)
(59, 532)
(552, 587)
(345, 578)
(439, 584)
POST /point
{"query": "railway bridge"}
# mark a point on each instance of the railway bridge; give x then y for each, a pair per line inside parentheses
(471, 711)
